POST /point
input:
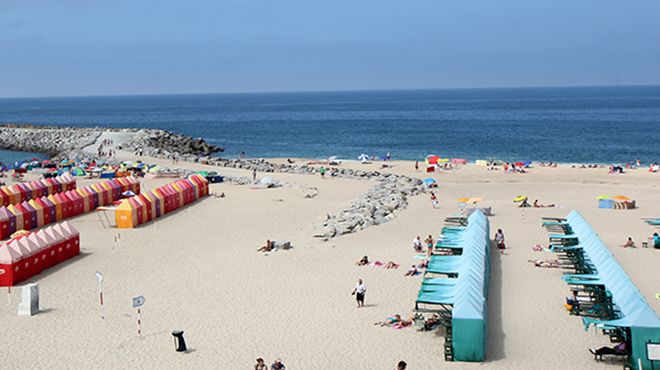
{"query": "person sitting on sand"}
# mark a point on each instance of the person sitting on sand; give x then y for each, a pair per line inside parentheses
(424, 264)
(431, 323)
(261, 365)
(656, 241)
(417, 244)
(391, 265)
(524, 204)
(572, 302)
(402, 365)
(268, 247)
(362, 261)
(412, 271)
(619, 349)
(277, 365)
(629, 243)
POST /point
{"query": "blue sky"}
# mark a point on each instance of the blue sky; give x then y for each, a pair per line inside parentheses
(67, 47)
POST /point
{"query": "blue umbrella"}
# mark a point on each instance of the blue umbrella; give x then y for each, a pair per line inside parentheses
(428, 181)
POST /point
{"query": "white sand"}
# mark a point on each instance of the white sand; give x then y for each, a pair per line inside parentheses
(199, 272)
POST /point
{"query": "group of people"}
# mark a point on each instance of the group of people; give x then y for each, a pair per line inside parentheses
(654, 239)
(277, 365)
(101, 152)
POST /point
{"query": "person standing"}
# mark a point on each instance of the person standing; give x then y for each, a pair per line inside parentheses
(416, 166)
(322, 172)
(499, 240)
(254, 174)
(434, 200)
(359, 291)
(429, 246)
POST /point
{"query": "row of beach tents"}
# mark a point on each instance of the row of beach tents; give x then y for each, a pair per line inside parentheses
(17, 193)
(56, 207)
(29, 254)
(150, 205)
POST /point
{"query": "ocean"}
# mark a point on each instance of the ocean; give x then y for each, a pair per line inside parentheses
(576, 124)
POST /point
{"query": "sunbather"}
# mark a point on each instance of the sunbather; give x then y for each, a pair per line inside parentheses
(545, 264)
(268, 247)
(389, 321)
(391, 265)
(362, 261)
(412, 271)
(417, 244)
(618, 350)
(539, 205)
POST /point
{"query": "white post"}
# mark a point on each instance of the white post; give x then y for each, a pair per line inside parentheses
(8, 294)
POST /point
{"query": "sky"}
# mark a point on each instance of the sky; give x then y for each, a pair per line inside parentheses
(90, 47)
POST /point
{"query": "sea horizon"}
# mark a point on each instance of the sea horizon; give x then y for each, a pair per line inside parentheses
(576, 124)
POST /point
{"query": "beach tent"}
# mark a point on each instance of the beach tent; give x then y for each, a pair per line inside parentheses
(45, 210)
(26, 266)
(39, 210)
(125, 218)
(34, 223)
(7, 222)
(58, 246)
(9, 265)
(47, 186)
(156, 203)
(49, 208)
(70, 240)
(36, 265)
(55, 184)
(149, 207)
(58, 207)
(47, 243)
(22, 222)
(87, 201)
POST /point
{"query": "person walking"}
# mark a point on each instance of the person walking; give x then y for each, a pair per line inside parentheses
(254, 174)
(322, 172)
(499, 240)
(359, 291)
(434, 200)
(416, 166)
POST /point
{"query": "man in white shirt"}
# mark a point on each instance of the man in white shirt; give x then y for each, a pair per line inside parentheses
(359, 291)
(417, 244)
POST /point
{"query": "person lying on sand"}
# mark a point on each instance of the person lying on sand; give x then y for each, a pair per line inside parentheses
(412, 271)
(268, 247)
(545, 264)
(539, 205)
(396, 322)
(391, 265)
(629, 243)
(362, 261)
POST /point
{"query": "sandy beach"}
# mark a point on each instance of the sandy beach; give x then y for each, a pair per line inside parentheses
(199, 271)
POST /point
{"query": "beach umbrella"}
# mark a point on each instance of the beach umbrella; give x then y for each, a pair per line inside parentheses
(443, 160)
(77, 171)
(462, 200)
(432, 159)
(474, 200)
(620, 197)
(19, 234)
(213, 173)
(363, 157)
(519, 198)
(128, 194)
(428, 181)
(203, 173)
(519, 164)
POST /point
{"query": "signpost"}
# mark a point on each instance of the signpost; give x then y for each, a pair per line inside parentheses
(99, 278)
(137, 303)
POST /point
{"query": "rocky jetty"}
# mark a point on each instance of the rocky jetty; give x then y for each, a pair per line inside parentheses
(161, 143)
(59, 141)
(54, 141)
(377, 206)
